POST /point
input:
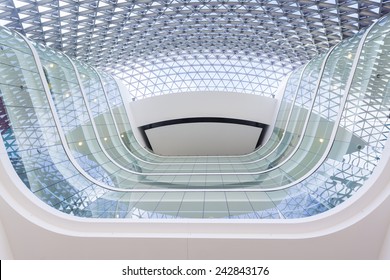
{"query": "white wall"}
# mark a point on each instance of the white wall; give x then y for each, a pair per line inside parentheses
(385, 252)
(203, 138)
(5, 249)
(127, 100)
(203, 104)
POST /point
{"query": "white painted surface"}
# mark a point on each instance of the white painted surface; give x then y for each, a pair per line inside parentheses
(278, 98)
(203, 104)
(5, 249)
(385, 252)
(126, 97)
(202, 139)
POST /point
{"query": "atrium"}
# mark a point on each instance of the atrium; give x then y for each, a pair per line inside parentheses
(283, 113)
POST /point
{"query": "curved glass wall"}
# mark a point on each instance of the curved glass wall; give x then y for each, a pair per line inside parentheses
(340, 145)
(119, 113)
(30, 135)
(140, 152)
(104, 128)
(95, 142)
(124, 129)
(287, 104)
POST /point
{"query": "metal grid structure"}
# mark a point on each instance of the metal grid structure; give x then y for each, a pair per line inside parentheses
(165, 46)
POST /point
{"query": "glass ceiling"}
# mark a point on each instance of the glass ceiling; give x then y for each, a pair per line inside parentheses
(165, 46)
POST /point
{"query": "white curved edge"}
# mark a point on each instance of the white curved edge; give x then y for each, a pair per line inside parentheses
(354, 229)
(57, 122)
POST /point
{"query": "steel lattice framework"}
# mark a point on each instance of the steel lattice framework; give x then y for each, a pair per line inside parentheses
(168, 46)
